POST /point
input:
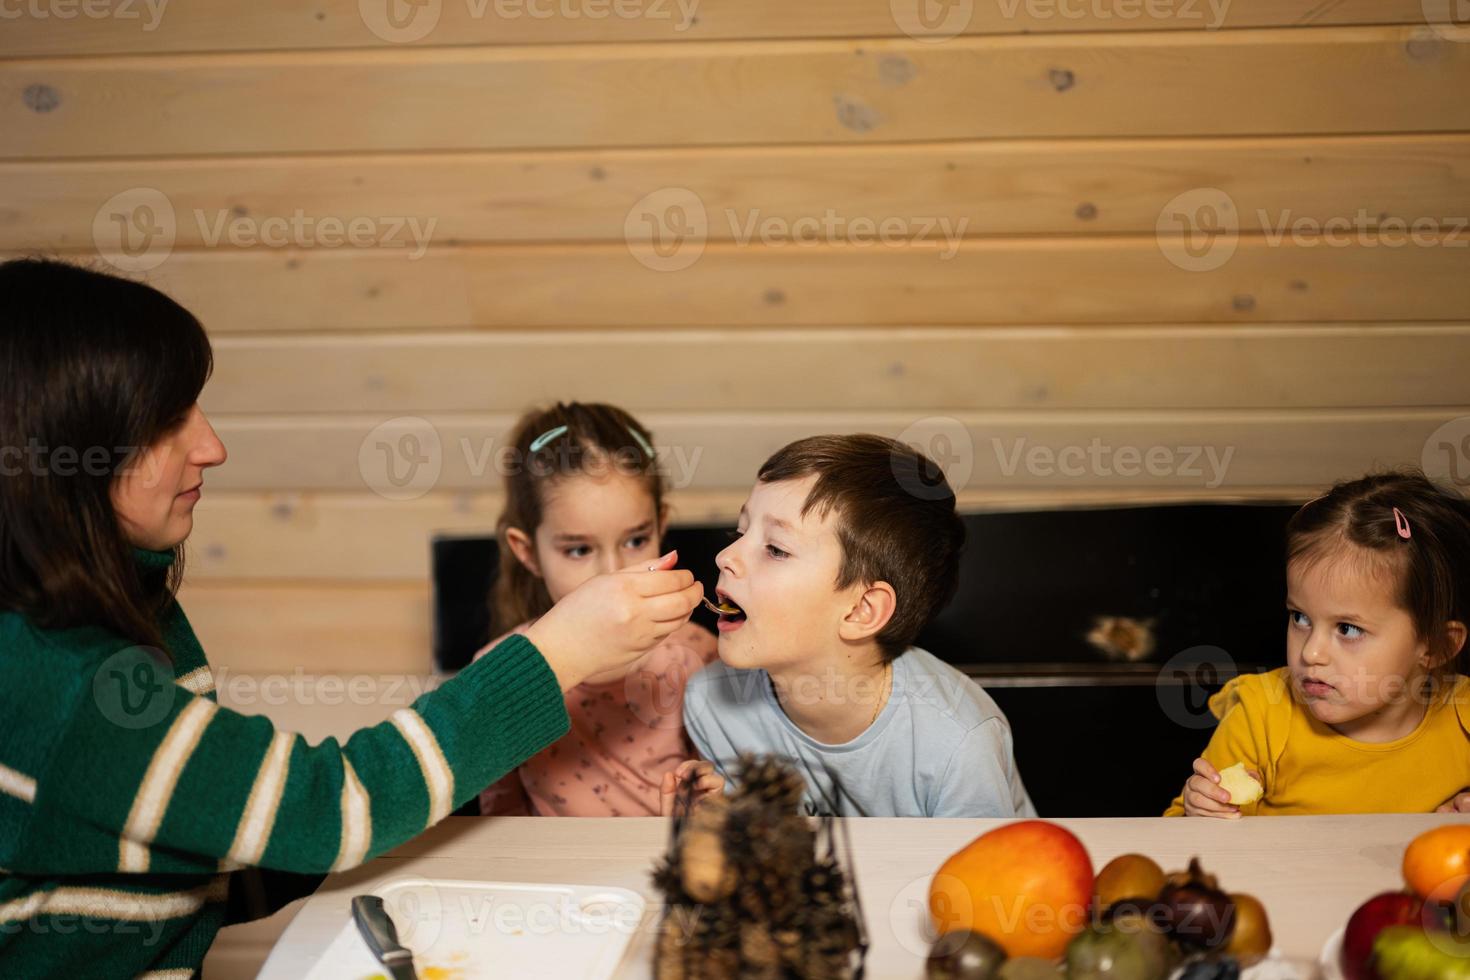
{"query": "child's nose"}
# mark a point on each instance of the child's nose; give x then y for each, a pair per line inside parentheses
(1314, 651)
(725, 560)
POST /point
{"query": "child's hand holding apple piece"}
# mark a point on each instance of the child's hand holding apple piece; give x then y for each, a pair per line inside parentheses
(1210, 793)
(699, 773)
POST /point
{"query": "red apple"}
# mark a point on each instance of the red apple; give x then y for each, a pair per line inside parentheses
(1371, 918)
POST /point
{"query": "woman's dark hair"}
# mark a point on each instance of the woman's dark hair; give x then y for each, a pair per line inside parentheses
(1431, 567)
(95, 369)
(597, 439)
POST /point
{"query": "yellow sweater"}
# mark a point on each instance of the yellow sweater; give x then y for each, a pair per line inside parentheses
(1309, 768)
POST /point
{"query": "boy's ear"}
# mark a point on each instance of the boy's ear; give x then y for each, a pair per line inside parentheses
(522, 547)
(875, 606)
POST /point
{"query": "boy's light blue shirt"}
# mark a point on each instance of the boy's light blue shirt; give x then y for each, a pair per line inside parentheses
(939, 748)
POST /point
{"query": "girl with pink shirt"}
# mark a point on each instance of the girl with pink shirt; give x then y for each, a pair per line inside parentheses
(583, 495)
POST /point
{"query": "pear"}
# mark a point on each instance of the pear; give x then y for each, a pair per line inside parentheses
(1411, 953)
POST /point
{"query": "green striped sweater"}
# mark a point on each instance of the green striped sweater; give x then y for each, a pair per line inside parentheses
(130, 801)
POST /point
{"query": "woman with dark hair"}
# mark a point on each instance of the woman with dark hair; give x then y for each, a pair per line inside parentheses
(132, 806)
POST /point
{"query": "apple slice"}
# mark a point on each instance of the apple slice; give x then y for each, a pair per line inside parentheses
(1241, 785)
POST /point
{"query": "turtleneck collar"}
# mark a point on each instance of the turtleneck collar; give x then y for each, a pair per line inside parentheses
(151, 561)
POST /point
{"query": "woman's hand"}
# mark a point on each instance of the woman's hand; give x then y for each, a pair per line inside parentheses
(701, 774)
(1204, 797)
(611, 620)
(1459, 803)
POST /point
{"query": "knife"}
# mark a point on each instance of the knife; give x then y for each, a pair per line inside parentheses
(381, 937)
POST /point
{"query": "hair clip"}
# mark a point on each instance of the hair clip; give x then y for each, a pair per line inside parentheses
(540, 441)
(1401, 523)
(638, 436)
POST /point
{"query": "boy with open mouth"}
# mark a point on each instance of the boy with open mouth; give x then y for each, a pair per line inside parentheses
(846, 548)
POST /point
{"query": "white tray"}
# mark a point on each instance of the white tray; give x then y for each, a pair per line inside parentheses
(466, 930)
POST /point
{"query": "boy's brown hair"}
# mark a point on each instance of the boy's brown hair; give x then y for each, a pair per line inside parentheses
(896, 522)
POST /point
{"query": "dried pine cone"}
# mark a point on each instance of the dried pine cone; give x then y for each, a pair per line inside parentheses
(769, 781)
(827, 922)
(706, 871)
(760, 959)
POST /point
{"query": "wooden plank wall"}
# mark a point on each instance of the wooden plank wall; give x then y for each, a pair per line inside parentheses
(1006, 229)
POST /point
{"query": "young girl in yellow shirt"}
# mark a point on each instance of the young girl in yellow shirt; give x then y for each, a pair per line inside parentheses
(1370, 713)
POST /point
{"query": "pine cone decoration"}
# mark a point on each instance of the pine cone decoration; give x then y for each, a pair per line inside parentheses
(770, 909)
(760, 958)
(826, 923)
(770, 782)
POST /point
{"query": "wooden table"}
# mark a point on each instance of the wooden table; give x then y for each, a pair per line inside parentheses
(1311, 872)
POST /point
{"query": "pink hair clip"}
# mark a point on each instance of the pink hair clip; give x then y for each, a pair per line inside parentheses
(1401, 523)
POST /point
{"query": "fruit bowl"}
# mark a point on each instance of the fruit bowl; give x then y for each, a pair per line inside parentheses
(1278, 967)
(1330, 960)
(1275, 966)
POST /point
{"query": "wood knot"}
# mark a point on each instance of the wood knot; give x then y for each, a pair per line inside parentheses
(41, 99)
